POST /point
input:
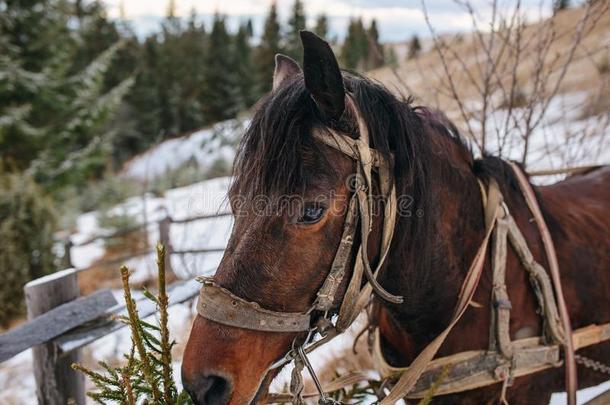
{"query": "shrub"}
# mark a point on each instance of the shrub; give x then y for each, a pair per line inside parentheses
(220, 167)
(129, 237)
(27, 224)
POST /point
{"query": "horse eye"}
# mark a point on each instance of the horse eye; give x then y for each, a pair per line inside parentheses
(311, 214)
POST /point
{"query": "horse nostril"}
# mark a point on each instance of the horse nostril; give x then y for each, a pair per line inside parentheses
(208, 390)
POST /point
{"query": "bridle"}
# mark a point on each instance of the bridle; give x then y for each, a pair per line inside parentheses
(220, 305)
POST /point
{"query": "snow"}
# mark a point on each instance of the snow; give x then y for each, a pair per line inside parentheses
(203, 146)
(562, 139)
(582, 396)
(54, 276)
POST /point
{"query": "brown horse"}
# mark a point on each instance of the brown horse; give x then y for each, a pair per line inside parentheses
(280, 257)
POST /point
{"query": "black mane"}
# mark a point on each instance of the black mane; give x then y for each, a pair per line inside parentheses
(270, 159)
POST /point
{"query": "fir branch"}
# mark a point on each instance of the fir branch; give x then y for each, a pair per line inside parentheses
(126, 374)
(163, 303)
(136, 333)
(147, 373)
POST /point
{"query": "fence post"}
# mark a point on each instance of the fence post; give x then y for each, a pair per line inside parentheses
(67, 259)
(164, 238)
(56, 381)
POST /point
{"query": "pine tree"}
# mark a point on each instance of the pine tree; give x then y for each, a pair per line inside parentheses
(265, 53)
(414, 47)
(375, 57)
(145, 99)
(296, 23)
(242, 54)
(55, 111)
(356, 46)
(321, 28)
(220, 79)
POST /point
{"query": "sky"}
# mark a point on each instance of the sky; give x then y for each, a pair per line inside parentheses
(398, 20)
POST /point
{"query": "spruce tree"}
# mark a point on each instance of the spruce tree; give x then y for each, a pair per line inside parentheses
(242, 54)
(146, 99)
(169, 71)
(55, 112)
(265, 53)
(220, 78)
(192, 48)
(321, 28)
(296, 23)
(355, 49)
(375, 50)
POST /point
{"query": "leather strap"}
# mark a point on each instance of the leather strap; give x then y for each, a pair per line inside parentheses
(220, 305)
(501, 305)
(326, 294)
(551, 255)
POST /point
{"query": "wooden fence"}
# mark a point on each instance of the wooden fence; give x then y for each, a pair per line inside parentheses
(61, 321)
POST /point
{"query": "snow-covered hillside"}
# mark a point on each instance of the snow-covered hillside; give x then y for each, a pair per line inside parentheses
(204, 147)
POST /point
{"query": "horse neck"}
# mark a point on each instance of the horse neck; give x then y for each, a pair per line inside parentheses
(429, 275)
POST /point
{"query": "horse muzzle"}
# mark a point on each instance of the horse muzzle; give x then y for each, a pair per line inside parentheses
(226, 365)
(206, 390)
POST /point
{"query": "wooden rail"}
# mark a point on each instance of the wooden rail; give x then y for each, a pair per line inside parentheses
(164, 227)
(61, 322)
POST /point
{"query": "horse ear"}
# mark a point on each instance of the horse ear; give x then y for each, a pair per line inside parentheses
(322, 75)
(285, 67)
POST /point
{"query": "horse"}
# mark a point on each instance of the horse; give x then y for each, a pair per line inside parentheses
(279, 258)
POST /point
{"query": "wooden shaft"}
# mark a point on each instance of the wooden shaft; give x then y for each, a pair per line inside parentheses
(56, 381)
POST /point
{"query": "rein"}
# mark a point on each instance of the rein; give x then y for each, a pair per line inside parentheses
(220, 305)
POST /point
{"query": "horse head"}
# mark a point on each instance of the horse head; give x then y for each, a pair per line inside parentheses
(305, 182)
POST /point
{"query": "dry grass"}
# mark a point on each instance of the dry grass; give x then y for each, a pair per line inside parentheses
(426, 79)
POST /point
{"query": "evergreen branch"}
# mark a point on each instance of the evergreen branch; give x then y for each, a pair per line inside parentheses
(136, 333)
(126, 373)
(163, 302)
(147, 373)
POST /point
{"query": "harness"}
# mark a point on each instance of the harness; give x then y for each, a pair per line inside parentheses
(501, 363)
